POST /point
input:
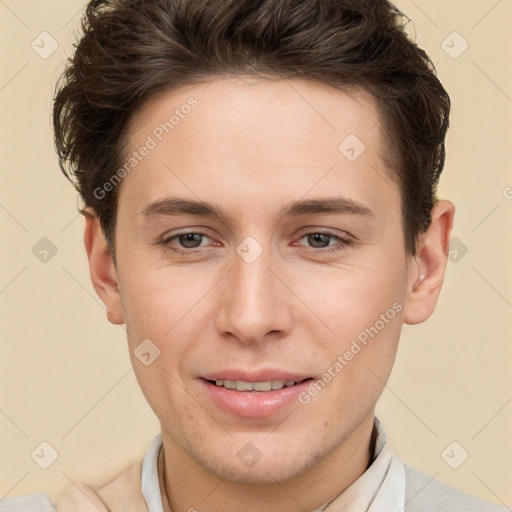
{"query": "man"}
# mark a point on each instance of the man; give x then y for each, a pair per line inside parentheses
(259, 184)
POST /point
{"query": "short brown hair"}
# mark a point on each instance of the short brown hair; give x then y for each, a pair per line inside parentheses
(133, 49)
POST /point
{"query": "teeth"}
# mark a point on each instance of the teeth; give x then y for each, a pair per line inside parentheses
(230, 384)
(277, 384)
(262, 386)
(241, 385)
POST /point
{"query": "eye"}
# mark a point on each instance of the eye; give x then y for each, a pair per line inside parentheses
(190, 242)
(319, 240)
(187, 242)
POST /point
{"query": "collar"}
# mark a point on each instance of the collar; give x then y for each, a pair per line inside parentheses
(149, 476)
(379, 489)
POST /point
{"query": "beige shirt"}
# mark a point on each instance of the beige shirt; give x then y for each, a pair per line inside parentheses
(388, 485)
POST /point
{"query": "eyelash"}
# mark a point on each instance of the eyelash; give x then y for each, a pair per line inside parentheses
(345, 242)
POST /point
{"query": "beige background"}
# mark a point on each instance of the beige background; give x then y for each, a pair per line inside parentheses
(65, 372)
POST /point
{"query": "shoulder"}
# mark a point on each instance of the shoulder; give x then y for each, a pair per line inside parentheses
(35, 502)
(120, 494)
(423, 493)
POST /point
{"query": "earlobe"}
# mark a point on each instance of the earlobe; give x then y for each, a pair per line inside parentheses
(101, 267)
(427, 273)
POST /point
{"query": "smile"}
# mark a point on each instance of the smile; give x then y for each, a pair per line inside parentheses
(241, 385)
(255, 398)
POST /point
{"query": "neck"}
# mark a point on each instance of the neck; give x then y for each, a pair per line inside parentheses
(187, 487)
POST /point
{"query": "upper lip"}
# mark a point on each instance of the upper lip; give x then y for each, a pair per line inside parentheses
(263, 375)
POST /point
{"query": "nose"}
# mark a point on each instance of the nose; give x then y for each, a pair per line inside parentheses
(254, 300)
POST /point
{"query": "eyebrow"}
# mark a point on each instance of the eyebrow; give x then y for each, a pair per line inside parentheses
(338, 205)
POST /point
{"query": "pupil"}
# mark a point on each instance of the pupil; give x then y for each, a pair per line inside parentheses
(317, 237)
(190, 237)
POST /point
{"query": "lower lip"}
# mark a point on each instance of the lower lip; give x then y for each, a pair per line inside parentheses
(254, 404)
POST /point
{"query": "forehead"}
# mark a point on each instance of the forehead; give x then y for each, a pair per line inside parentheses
(274, 136)
(237, 104)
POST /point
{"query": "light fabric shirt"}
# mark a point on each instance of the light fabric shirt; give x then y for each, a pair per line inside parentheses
(388, 485)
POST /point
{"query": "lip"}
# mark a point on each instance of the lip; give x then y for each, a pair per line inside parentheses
(254, 404)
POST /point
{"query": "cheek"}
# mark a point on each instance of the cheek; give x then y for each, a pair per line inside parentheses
(166, 395)
(160, 301)
(163, 306)
(350, 300)
(364, 311)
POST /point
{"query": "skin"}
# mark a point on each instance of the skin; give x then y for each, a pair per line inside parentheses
(252, 147)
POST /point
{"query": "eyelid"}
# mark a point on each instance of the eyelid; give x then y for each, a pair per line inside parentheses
(309, 230)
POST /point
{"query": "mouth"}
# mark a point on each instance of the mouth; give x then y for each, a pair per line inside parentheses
(261, 395)
(262, 386)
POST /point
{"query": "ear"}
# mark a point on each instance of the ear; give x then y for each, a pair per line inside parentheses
(101, 267)
(426, 274)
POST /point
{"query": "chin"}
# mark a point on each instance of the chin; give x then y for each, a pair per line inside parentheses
(279, 467)
(261, 473)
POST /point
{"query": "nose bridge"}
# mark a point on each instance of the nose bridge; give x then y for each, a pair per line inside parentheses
(253, 302)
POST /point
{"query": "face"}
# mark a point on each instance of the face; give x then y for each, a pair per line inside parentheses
(292, 273)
